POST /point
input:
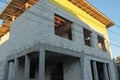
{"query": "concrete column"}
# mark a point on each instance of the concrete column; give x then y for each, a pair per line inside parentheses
(42, 63)
(10, 73)
(111, 70)
(82, 68)
(95, 70)
(27, 67)
(95, 41)
(6, 71)
(85, 68)
(105, 71)
(116, 70)
(16, 63)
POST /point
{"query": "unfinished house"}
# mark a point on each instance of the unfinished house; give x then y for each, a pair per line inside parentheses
(54, 40)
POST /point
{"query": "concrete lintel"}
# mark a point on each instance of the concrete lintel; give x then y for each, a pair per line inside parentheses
(47, 47)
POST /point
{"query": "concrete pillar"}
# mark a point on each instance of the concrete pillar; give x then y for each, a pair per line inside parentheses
(16, 63)
(42, 63)
(11, 71)
(82, 68)
(111, 70)
(85, 68)
(6, 71)
(95, 41)
(95, 70)
(116, 70)
(27, 67)
(105, 71)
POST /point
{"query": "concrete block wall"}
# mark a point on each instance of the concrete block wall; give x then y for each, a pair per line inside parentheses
(72, 69)
(37, 24)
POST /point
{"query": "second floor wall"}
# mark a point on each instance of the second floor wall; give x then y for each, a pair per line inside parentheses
(38, 24)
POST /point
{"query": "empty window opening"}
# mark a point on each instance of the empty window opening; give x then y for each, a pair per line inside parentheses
(101, 43)
(92, 70)
(87, 37)
(100, 70)
(62, 27)
(32, 70)
(57, 71)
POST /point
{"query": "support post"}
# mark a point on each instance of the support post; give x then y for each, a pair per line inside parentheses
(105, 71)
(6, 70)
(42, 63)
(27, 67)
(95, 70)
(16, 68)
(82, 68)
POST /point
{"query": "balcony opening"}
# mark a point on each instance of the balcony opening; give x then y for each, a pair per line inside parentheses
(32, 70)
(92, 70)
(101, 43)
(100, 70)
(57, 71)
(62, 27)
(87, 37)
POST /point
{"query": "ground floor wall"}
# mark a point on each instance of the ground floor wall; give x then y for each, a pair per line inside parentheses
(46, 62)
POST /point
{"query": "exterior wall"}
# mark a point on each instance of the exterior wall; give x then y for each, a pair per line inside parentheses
(4, 52)
(72, 69)
(37, 25)
(36, 29)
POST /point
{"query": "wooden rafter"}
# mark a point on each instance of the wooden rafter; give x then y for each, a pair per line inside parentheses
(7, 16)
(89, 9)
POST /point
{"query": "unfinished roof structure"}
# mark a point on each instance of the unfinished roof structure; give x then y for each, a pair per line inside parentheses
(85, 6)
(16, 7)
(11, 11)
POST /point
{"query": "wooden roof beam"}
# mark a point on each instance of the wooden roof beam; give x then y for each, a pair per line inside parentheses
(2, 32)
(18, 7)
(5, 27)
(9, 15)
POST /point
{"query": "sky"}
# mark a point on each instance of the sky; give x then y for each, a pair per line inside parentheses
(109, 8)
(2, 4)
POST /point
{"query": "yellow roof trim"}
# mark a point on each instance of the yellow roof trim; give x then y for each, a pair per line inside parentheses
(92, 11)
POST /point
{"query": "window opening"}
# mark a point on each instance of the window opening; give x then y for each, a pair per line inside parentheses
(62, 27)
(87, 37)
(101, 43)
(32, 70)
(57, 71)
